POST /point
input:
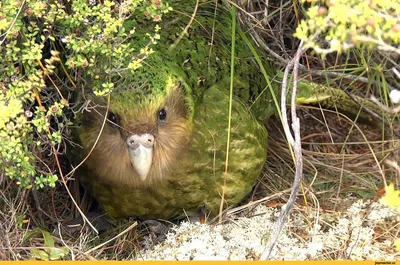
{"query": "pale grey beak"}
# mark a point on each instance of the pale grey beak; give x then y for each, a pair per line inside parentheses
(141, 153)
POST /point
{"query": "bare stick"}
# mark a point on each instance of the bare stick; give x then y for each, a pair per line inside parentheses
(295, 142)
(303, 68)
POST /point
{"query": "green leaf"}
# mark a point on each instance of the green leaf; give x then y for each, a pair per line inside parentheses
(48, 239)
(51, 252)
(31, 234)
(57, 253)
(39, 254)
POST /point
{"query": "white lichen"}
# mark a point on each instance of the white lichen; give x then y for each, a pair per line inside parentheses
(349, 235)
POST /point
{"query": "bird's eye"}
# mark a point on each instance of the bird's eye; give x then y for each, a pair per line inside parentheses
(162, 115)
(112, 118)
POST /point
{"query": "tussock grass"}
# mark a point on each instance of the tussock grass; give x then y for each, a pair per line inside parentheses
(344, 161)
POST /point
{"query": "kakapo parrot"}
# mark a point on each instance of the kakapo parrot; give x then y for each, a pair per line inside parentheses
(162, 150)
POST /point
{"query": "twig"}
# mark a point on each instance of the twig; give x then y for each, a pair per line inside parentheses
(63, 177)
(396, 72)
(296, 144)
(365, 108)
(5, 34)
(389, 110)
(322, 73)
(257, 202)
(186, 28)
(108, 241)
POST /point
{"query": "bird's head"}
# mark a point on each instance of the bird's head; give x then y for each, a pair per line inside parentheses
(146, 132)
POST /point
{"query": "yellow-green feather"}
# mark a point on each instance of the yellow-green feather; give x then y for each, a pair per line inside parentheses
(199, 66)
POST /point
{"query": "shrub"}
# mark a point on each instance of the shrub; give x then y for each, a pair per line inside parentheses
(37, 38)
(342, 24)
(339, 25)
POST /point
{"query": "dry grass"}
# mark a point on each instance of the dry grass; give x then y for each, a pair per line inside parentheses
(342, 159)
(343, 163)
(339, 157)
(334, 171)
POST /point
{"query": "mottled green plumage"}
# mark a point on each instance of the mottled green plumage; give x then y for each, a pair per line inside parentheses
(198, 180)
(191, 82)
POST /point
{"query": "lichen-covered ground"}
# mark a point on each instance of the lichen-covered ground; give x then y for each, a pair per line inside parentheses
(337, 215)
(308, 234)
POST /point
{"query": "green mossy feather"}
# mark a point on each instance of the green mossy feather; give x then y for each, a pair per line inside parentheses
(191, 81)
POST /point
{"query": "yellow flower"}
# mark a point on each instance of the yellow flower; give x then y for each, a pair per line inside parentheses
(392, 198)
(3, 24)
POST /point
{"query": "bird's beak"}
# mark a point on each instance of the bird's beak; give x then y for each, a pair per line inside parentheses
(141, 153)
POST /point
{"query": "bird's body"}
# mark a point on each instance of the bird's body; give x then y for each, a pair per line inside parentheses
(193, 176)
(182, 105)
(162, 152)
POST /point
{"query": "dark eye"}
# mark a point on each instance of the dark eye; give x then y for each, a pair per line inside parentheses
(162, 114)
(112, 118)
